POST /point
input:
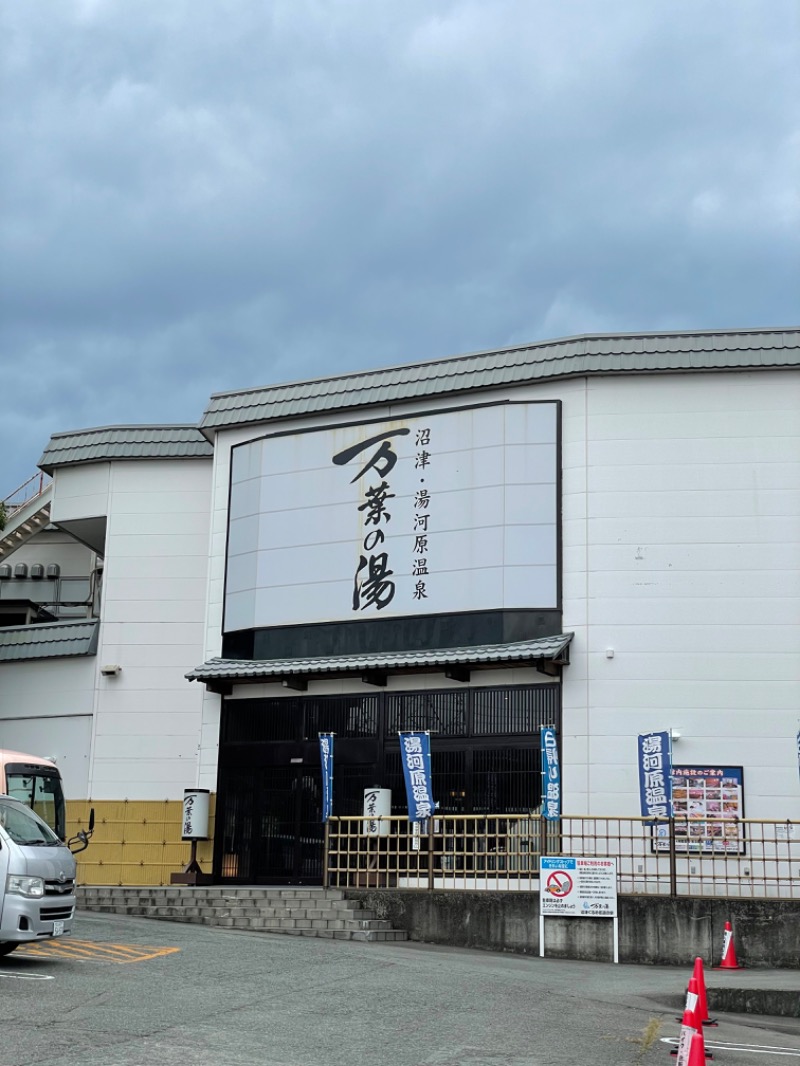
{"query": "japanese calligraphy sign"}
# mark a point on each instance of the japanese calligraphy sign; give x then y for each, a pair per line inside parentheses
(551, 775)
(195, 814)
(655, 775)
(326, 764)
(453, 511)
(415, 754)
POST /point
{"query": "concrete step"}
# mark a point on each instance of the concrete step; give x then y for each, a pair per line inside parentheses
(290, 912)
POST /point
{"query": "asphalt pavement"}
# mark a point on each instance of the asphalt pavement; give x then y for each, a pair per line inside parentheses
(137, 992)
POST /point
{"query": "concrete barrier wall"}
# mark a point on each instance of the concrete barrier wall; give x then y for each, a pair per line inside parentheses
(651, 929)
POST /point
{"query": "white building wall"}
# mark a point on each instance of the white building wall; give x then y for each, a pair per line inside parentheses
(46, 709)
(693, 578)
(147, 719)
(680, 526)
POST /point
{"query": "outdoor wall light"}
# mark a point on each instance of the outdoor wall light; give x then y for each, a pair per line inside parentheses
(110, 670)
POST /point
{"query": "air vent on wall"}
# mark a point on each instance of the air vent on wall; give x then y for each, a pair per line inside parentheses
(37, 571)
(5, 572)
(53, 570)
(21, 570)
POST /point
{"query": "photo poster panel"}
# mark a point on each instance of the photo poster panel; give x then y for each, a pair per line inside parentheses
(708, 805)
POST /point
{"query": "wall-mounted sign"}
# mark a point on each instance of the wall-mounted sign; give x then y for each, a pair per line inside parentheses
(708, 802)
(434, 513)
(709, 805)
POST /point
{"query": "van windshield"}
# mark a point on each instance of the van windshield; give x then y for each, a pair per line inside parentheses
(24, 827)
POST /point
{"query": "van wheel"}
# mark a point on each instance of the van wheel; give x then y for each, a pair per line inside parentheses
(6, 949)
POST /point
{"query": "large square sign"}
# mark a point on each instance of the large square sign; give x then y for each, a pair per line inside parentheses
(578, 888)
(432, 513)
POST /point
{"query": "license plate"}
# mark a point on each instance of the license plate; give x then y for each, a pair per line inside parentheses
(58, 928)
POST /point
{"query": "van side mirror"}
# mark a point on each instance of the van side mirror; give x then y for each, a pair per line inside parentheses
(80, 842)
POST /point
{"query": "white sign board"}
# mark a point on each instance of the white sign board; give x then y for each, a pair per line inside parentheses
(577, 888)
(433, 513)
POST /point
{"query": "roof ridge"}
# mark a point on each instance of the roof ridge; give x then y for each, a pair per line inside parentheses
(555, 342)
(126, 425)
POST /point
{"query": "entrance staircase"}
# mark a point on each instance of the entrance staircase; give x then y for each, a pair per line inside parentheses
(318, 912)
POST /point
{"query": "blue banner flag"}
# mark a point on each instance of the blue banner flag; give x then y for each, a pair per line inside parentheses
(551, 775)
(326, 761)
(415, 751)
(655, 775)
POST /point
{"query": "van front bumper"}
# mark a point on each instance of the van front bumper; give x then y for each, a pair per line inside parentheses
(25, 919)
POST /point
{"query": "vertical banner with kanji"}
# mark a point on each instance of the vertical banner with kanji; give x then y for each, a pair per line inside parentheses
(415, 752)
(551, 775)
(655, 775)
(326, 762)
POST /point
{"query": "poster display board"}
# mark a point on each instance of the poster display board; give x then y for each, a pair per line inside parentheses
(708, 804)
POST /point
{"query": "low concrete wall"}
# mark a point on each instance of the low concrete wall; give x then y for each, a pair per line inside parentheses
(652, 929)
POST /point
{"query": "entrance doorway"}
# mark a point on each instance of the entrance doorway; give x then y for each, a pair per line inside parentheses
(269, 830)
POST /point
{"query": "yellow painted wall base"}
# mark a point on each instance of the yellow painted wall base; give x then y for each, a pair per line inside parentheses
(135, 842)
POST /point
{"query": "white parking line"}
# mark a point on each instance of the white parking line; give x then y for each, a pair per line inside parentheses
(754, 1049)
(27, 976)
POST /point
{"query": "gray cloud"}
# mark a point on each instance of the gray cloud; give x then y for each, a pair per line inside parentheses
(203, 197)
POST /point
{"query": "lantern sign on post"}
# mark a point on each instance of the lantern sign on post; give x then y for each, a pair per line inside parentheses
(194, 827)
(377, 809)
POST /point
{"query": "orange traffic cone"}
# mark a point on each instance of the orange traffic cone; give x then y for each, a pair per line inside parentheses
(697, 1051)
(691, 1026)
(702, 1006)
(687, 1035)
(728, 951)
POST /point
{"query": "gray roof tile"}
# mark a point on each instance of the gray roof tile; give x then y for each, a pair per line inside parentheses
(50, 640)
(604, 354)
(124, 442)
(255, 670)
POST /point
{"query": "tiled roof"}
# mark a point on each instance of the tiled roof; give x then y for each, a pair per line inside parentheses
(124, 442)
(602, 354)
(50, 640)
(254, 670)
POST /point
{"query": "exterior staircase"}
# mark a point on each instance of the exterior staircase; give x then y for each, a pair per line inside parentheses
(27, 512)
(318, 912)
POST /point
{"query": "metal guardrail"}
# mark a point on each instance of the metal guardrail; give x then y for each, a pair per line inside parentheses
(756, 859)
(28, 490)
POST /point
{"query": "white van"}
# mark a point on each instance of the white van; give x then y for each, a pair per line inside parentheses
(37, 878)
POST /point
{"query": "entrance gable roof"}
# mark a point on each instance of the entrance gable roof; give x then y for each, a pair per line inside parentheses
(553, 650)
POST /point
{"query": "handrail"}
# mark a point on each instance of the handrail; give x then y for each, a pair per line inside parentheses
(36, 479)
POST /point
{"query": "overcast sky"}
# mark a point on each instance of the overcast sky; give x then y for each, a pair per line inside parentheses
(200, 196)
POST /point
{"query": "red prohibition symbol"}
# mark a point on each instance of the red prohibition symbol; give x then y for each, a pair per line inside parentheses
(559, 883)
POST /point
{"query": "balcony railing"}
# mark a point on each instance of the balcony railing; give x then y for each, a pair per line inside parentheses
(757, 859)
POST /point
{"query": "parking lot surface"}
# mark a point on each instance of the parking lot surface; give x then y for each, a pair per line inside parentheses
(136, 992)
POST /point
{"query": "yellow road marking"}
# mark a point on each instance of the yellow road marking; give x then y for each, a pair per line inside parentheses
(84, 950)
